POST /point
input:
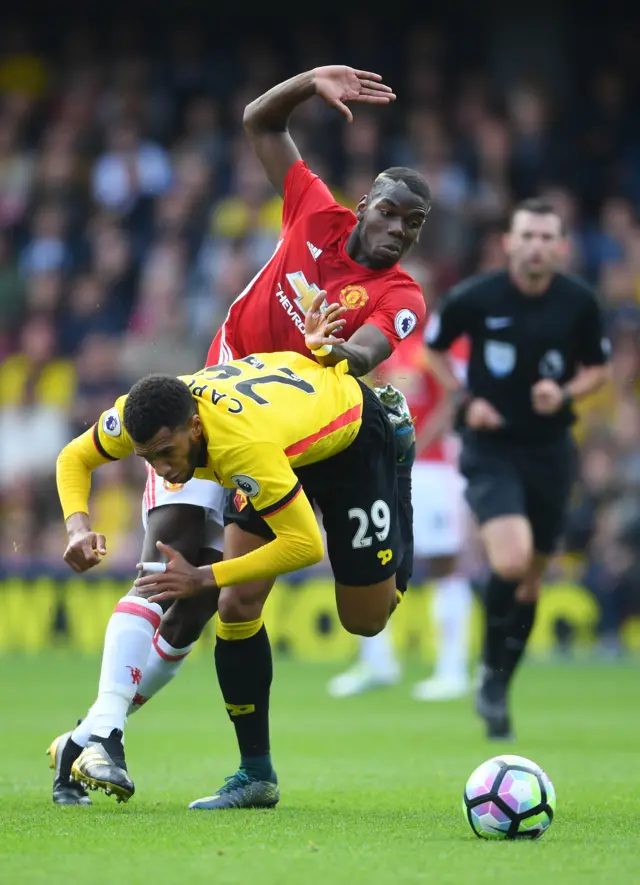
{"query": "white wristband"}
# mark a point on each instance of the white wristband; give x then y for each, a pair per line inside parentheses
(323, 350)
(154, 568)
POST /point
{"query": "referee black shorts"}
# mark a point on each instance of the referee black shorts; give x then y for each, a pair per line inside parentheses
(527, 479)
(356, 492)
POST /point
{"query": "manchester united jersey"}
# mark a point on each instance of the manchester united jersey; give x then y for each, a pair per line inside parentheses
(311, 256)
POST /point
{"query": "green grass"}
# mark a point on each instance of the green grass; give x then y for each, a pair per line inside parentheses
(371, 787)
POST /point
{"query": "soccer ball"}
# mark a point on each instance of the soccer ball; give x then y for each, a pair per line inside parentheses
(509, 797)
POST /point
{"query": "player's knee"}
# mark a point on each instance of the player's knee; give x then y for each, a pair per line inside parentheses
(186, 619)
(512, 562)
(234, 608)
(362, 625)
(181, 526)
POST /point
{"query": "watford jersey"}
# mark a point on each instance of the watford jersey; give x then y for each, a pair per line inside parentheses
(262, 416)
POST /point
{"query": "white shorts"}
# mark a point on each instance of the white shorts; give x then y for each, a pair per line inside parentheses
(200, 492)
(437, 492)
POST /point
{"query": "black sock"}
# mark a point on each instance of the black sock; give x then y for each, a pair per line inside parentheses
(405, 523)
(498, 603)
(245, 671)
(518, 631)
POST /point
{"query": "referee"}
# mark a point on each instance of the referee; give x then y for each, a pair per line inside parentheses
(537, 344)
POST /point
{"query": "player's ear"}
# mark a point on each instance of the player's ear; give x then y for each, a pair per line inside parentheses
(196, 426)
(506, 243)
(362, 205)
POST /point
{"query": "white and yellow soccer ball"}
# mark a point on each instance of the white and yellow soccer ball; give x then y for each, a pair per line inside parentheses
(509, 797)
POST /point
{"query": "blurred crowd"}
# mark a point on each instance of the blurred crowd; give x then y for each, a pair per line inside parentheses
(132, 212)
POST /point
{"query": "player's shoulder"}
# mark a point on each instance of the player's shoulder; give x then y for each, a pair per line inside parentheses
(110, 429)
(398, 284)
(478, 286)
(575, 287)
(111, 420)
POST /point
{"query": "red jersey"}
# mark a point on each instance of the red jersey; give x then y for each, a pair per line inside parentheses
(311, 256)
(408, 370)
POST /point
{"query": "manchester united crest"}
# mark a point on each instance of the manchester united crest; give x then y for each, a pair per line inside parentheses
(173, 486)
(353, 297)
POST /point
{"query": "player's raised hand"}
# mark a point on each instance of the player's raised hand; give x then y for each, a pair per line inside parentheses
(337, 84)
(321, 325)
(178, 580)
(84, 550)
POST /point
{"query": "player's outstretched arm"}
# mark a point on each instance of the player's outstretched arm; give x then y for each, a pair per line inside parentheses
(266, 119)
(74, 466)
(106, 441)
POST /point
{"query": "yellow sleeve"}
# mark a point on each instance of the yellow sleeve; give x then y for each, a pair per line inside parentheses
(106, 441)
(265, 476)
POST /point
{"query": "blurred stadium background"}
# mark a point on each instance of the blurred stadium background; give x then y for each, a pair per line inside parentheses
(132, 212)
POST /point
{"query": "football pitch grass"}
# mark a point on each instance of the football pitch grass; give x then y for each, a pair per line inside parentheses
(371, 786)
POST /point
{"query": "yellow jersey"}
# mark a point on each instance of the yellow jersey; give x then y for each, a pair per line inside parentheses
(262, 416)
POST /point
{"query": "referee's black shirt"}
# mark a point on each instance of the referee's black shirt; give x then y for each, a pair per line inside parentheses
(518, 339)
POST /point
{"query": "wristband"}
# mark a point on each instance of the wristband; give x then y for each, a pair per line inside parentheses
(323, 350)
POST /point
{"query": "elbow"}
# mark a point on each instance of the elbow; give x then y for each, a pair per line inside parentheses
(250, 117)
(313, 551)
(64, 456)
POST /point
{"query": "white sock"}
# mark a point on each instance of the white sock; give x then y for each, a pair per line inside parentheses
(378, 653)
(127, 642)
(451, 615)
(162, 665)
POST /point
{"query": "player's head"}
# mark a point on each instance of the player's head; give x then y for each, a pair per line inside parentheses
(535, 243)
(162, 419)
(391, 215)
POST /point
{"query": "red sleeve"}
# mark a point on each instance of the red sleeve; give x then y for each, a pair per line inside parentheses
(459, 356)
(460, 349)
(397, 314)
(304, 193)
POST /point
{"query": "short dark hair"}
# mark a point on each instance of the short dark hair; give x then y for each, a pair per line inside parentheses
(154, 402)
(416, 183)
(537, 206)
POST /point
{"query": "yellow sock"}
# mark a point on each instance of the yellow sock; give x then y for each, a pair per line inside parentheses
(241, 630)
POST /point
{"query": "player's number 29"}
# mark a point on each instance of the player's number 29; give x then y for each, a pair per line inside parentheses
(381, 519)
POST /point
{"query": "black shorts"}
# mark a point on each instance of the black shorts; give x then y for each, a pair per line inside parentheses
(532, 480)
(357, 494)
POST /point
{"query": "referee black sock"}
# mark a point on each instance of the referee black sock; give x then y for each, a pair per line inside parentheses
(519, 629)
(498, 602)
(245, 670)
